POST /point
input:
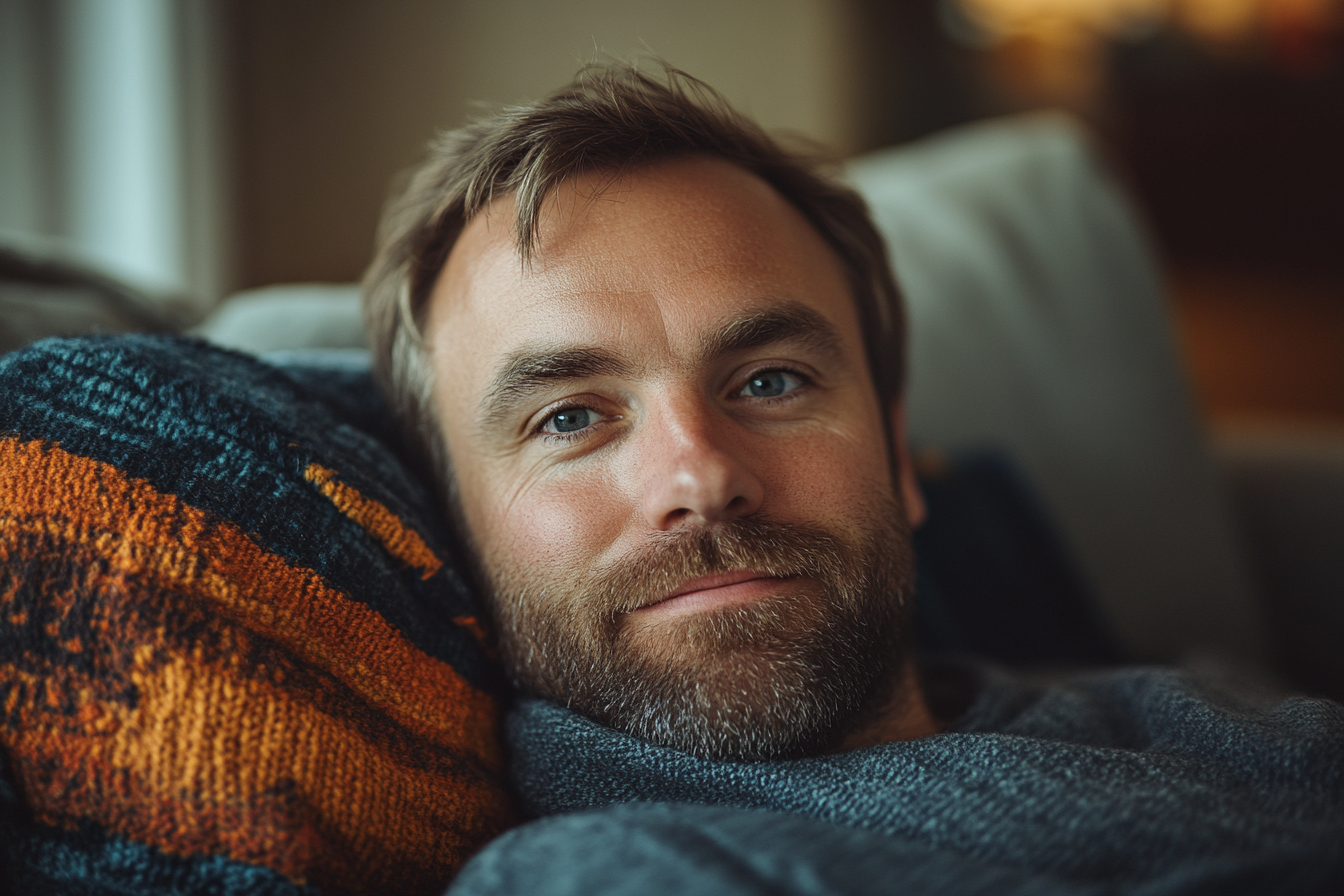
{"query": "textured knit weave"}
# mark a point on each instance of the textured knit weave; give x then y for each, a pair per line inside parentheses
(233, 657)
(1142, 780)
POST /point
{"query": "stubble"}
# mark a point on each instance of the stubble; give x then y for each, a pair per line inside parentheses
(782, 676)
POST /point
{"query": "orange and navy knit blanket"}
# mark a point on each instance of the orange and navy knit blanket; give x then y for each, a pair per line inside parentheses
(235, 654)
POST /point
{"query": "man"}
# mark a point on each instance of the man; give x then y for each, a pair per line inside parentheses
(679, 462)
(655, 362)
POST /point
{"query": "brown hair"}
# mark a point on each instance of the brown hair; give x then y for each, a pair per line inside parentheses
(612, 117)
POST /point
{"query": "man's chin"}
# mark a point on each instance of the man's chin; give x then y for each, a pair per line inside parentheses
(746, 706)
(767, 681)
(756, 672)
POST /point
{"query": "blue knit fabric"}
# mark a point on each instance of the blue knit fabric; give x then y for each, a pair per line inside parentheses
(1140, 780)
(236, 656)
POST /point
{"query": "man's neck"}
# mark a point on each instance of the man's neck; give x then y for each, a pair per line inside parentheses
(902, 715)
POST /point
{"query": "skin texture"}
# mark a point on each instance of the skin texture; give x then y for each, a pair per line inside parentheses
(604, 400)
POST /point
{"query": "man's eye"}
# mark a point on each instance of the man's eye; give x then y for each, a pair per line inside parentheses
(771, 384)
(570, 420)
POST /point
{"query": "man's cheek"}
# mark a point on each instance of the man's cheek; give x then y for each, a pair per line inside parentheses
(821, 479)
(553, 525)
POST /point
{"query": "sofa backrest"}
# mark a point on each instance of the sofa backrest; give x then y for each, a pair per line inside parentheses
(1039, 325)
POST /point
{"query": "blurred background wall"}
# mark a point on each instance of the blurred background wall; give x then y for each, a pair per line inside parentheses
(198, 147)
(332, 97)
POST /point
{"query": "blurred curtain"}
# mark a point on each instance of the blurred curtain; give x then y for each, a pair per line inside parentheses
(110, 143)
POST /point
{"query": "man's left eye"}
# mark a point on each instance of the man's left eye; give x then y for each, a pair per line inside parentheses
(570, 420)
(771, 384)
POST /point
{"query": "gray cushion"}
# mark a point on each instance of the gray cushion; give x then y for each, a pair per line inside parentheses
(1039, 325)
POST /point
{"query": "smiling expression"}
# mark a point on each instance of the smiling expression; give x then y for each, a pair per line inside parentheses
(665, 437)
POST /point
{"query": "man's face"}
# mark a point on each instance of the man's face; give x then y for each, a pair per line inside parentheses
(671, 460)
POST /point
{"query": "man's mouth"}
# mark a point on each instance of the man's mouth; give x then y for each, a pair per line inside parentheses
(712, 592)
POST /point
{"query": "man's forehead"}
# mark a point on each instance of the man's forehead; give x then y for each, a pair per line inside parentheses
(670, 253)
(693, 201)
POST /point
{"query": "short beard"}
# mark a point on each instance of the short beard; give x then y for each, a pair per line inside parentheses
(775, 678)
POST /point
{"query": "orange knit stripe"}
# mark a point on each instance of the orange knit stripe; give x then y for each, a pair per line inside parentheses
(211, 756)
(473, 625)
(401, 542)
(206, 762)
(143, 534)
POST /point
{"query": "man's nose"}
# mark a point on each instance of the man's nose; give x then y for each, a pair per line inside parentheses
(693, 470)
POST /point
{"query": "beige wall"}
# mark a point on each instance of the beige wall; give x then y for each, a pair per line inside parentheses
(332, 97)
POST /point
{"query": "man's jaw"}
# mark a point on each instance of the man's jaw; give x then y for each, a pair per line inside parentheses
(713, 592)
(798, 629)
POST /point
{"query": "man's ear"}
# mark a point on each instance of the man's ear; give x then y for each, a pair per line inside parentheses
(911, 496)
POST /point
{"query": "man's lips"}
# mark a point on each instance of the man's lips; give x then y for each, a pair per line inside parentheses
(738, 586)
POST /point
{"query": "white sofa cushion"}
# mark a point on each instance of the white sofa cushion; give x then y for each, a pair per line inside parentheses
(288, 316)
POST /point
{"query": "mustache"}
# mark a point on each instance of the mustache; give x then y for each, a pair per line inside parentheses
(663, 566)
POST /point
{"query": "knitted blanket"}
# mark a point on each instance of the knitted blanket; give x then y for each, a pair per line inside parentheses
(1135, 781)
(234, 654)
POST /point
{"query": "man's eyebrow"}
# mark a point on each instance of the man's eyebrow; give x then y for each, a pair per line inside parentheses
(528, 370)
(784, 322)
(531, 369)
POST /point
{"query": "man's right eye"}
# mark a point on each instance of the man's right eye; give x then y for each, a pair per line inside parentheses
(570, 420)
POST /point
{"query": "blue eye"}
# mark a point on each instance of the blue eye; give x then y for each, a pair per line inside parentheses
(570, 420)
(771, 384)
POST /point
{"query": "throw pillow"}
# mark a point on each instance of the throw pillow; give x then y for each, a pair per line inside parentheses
(235, 654)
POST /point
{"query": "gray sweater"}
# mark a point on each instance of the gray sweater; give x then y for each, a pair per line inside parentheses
(1134, 781)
